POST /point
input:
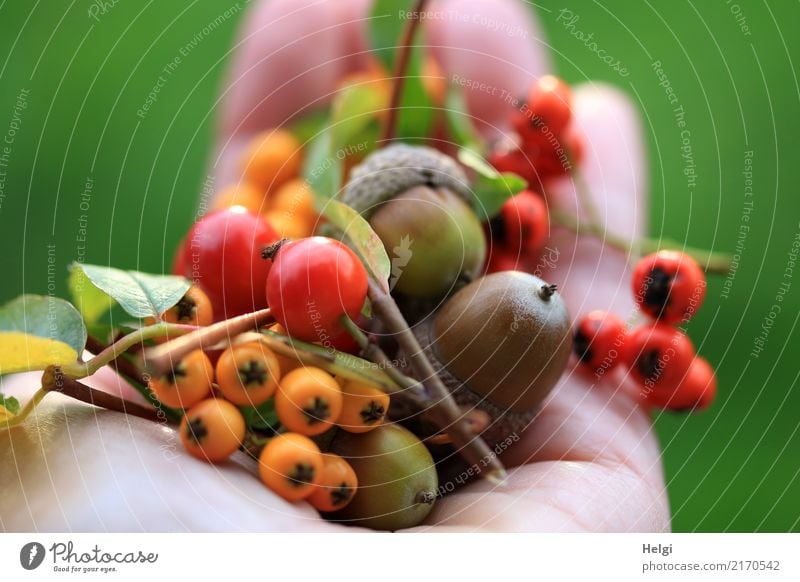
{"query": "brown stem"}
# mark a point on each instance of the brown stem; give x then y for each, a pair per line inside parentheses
(400, 66)
(160, 359)
(54, 380)
(443, 408)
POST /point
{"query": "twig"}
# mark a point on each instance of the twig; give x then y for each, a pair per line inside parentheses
(112, 352)
(400, 66)
(54, 380)
(160, 359)
(712, 262)
(443, 409)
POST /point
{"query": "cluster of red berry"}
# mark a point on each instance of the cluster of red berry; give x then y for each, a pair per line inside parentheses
(547, 145)
(669, 287)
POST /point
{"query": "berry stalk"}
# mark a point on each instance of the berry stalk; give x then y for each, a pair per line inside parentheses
(158, 360)
(712, 262)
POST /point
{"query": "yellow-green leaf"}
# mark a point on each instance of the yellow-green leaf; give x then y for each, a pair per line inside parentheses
(22, 352)
(364, 240)
(90, 301)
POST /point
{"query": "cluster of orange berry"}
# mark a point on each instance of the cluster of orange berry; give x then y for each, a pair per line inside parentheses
(271, 186)
(308, 401)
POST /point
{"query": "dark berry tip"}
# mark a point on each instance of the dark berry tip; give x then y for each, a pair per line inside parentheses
(269, 252)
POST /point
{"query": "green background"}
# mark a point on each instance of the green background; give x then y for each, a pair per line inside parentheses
(734, 468)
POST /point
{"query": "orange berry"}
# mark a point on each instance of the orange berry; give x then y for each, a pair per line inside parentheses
(364, 407)
(291, 466)
(337, 485)
(272, 157)
(194, 308)
(309, 401)
(248, 374)
(212, 430)
(241, 194)
(187, 383)
(295, 197)
(288, 225)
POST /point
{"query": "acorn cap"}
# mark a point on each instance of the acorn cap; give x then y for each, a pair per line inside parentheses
(396, 168)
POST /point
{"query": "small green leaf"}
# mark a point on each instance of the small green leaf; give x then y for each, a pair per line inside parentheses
(90, 301)
(322, 170)
(139, 294)
(38, 331)
(50, 318)
(352, 110)
(459, 122)
(9, 403)
(388, 19)
(364, 240)
(261, 418)
(386, 23)
(415, 116)
(490, 188)
(311, 125)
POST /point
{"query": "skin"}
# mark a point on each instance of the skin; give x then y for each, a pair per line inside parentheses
(590, 461)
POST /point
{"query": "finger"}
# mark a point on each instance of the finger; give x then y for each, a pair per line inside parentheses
(591, 273)
(493, 48)
(291, 56)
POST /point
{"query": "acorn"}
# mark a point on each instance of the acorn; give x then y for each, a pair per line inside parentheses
(397, 479)
(500, 343)
(417, 201)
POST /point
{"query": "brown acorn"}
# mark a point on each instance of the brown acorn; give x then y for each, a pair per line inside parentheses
(501, 343)
(417, 200)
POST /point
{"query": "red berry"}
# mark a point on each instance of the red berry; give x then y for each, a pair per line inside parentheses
(501, 259)
(695, 392)
(522, 225)
(599, 341)
(669, 286)
(658, 356)
(313, 282)
(224, 258)
(548, 110)
(515, 161)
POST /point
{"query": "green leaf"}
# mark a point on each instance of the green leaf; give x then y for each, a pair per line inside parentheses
(415, 117)
(491, 188)
(364, 240)
(262, 417)
(139, 294)
(9, 403)
(50, 318)
(311, 125)
(459, 122)
(387, 20)
(351, 111)
(322, 170)
(38, 331)
(90, 301)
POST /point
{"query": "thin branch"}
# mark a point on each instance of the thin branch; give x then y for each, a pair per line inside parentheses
(443, 408)
(400, 68)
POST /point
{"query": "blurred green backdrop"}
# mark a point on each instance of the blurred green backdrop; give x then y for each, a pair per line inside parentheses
(70, 89)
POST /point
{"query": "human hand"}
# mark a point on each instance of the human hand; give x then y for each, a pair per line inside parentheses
(589, 461)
